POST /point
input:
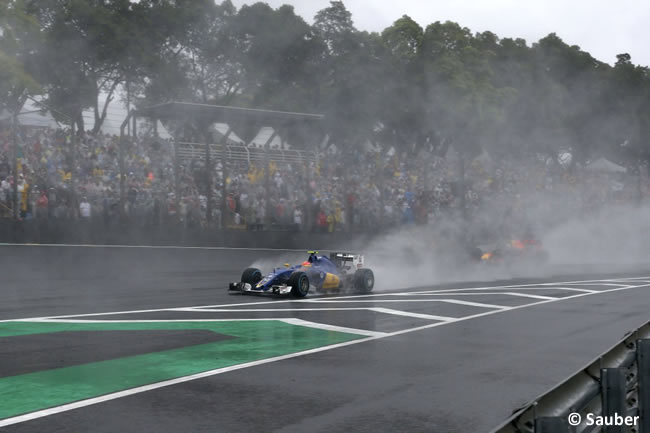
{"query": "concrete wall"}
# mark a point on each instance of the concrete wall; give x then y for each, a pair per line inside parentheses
(96, 232)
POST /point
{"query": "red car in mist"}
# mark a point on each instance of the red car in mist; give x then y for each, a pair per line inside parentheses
(516, 250)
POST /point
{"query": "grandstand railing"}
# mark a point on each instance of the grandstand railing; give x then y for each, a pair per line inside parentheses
(189, 151)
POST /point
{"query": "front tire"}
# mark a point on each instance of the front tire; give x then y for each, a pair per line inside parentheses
(299, 283)
(364, 280)
(251, 276)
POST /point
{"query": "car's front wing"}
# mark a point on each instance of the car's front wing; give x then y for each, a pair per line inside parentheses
(247, 288)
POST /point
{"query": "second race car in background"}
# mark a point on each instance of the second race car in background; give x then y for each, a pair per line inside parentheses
(516, 250)
(334, 273)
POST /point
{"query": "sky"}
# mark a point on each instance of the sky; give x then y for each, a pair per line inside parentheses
(603, 28)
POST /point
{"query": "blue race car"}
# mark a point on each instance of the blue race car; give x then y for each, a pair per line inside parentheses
(333, 273)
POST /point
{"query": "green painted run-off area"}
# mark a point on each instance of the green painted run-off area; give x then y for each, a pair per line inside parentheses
(253, 340)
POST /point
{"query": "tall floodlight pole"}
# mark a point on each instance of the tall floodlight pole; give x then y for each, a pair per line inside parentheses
(73, 169)
(14, 140)
(267, 177)
(208, 176)
(224, 157)
(177, 180)
(121, 162)
(224, 176)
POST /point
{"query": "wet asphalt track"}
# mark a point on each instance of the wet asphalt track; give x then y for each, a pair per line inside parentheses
(456, 376)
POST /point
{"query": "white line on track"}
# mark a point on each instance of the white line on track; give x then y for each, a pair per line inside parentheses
(327, 327)
(610, 284)
(132, 391)
(395, 301)
(471, 304)
(297, 310)
(479, 289)
(266, 310)
(523, 295)
(575, 289)
(626, 278)
(140, 389)
(291, 321)
(449, 291)
(529, 295)
(411, 314)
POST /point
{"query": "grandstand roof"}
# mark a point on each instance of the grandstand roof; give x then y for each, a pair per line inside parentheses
(301, 129)
(225, 114)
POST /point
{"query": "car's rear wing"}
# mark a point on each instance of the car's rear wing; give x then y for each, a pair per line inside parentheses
(343, 259)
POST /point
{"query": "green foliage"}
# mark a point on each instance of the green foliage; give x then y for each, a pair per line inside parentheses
(408, 87)
(19, 44)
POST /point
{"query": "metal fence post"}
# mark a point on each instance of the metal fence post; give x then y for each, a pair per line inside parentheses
(643, 377)
(613, 389)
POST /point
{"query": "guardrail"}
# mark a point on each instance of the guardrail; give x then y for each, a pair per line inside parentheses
(189, 150)
(617, 384)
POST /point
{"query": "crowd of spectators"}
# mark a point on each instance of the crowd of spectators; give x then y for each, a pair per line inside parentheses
(339, 190)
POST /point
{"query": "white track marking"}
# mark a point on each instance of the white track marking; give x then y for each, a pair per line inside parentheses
(481, 293)
(268, 310)
(644, 280)
(566, 289)
(523, 295)
(518, 307)
(132, 391)
(291, 321)
(472, 304)
(573, 289)
(328, 327)
(411, 314)
(449, 291)
(528, 295)
(375, 309)
(140, 389)
(627, 278)
(396, 301)
(480, 289)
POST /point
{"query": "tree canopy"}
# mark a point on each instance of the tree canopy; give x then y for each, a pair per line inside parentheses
(407, 87)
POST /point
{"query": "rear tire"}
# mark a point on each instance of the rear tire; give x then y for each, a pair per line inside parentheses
(251, 276)
(299, 283)
(364, 280)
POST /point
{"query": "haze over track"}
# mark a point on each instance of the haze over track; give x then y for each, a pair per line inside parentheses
(414, 362)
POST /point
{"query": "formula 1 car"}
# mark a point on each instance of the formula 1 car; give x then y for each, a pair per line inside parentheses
(516, 250)
(333, 273)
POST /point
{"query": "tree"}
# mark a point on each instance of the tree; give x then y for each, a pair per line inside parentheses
(403, 111)
(351, 74)
(93, 47)
(463, 102)
(19, 45)
(278, 54)
(335, 28)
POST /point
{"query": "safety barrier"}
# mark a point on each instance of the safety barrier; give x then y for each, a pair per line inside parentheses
(96, 232)
(614, 390)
